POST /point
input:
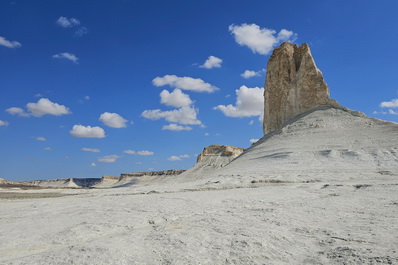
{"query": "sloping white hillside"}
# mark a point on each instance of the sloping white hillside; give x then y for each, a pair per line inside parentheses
(324, 140)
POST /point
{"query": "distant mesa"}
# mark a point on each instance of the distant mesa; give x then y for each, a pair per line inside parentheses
(220, 150)
(213, 157)
(293, 85)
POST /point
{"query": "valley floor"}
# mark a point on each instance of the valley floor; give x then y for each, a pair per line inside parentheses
(338, 222)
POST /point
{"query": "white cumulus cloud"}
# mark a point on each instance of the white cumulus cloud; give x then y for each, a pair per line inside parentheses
(67, 56)
(249, 102)
(40, 138)
(249, 73)
(67, 22)
(9, 44)
(260, 40)
(113, 120)
(390, 104)
(253, 140)
(108, 159)
(184, 156)
(174, 158)
(93, 164)
(184, 83)
(43, 107)
(4, 123)
(94, 150)
(177, 98)
(176, 127)
(184, 115)
(81, 131)
(212, 62)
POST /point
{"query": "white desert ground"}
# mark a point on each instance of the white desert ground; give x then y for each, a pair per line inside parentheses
(321, 190)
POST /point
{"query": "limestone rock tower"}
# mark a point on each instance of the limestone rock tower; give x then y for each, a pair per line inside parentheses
(293, 85)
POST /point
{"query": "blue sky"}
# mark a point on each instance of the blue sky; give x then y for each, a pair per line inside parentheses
(92, 88)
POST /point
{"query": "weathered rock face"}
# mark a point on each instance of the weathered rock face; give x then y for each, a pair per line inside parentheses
(212, 158)
(293, 85)
(220, 150)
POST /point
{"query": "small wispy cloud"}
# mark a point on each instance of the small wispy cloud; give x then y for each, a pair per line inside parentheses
(67, 56)
(108, 159)
(178, 158)
(9, 44)
(212, 62)
(94, 150)
(176, 127)
(249, 73)
(48, 149)
(4, 123)
(140, 153)
(174, 158)
(67, 22)
(40, 138)
(81, 32)
(72, 23)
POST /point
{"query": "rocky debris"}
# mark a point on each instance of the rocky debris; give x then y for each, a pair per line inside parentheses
(293, 85)
(220, 150)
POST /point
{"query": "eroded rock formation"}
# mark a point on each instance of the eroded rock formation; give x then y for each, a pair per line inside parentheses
(212, 157)
(293, 85)
(220, 150)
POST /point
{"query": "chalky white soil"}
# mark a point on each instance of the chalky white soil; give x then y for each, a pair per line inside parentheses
(323, 190)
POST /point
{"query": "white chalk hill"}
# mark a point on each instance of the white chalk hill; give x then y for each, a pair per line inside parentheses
(325, 141)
